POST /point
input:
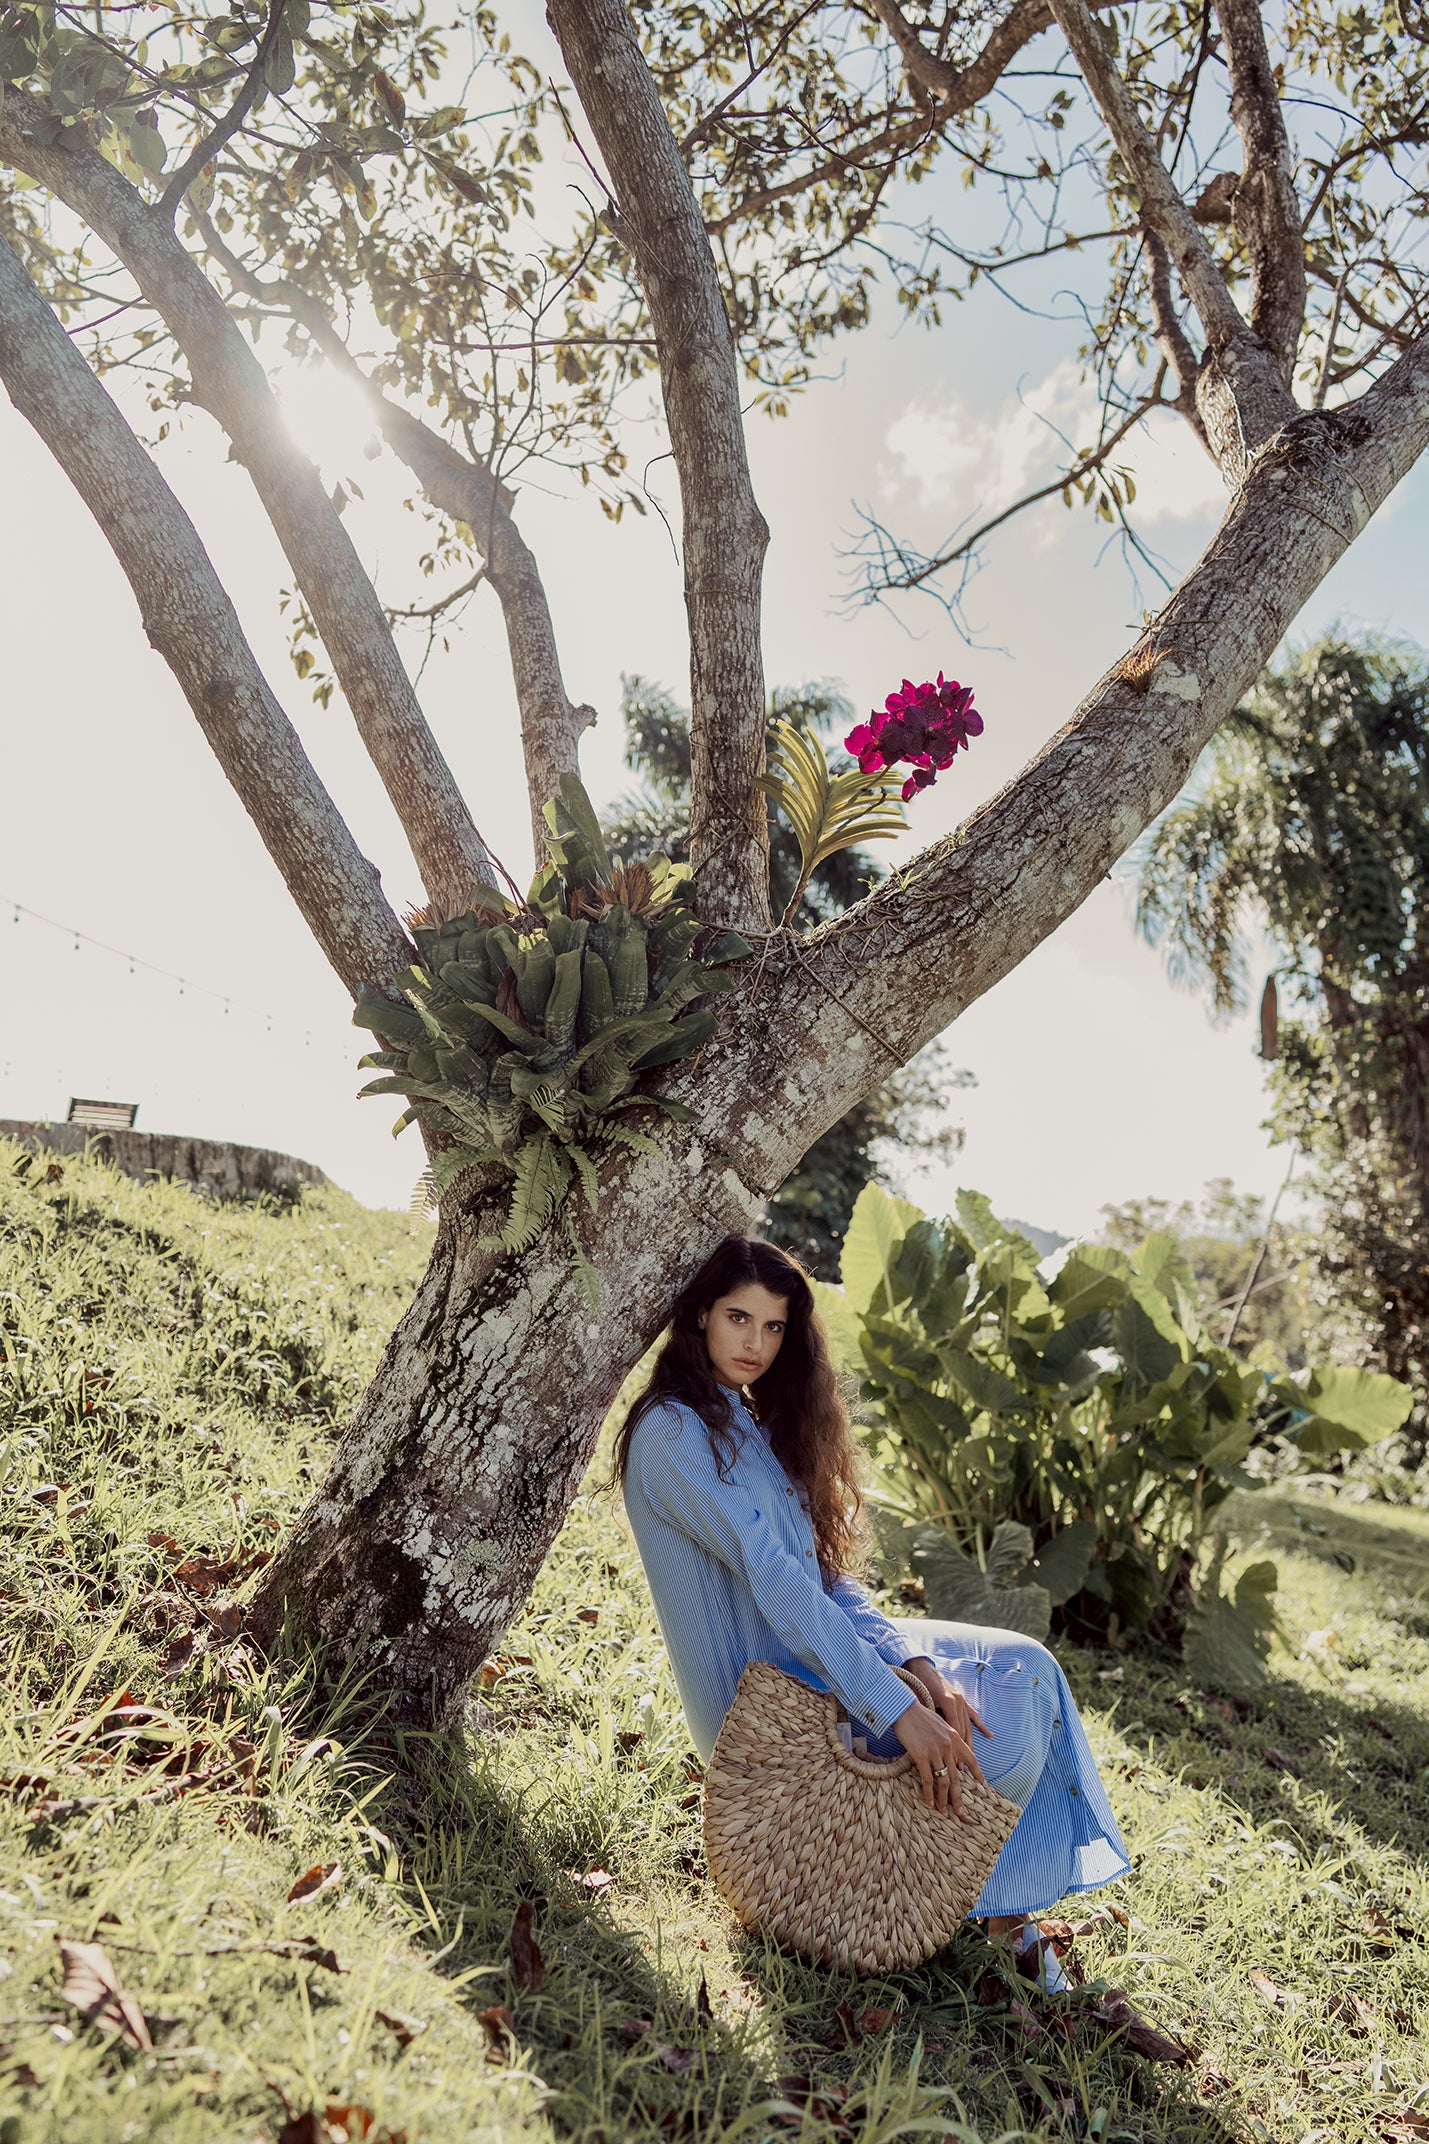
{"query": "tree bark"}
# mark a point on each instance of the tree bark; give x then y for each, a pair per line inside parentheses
(458, 1469)
(229, 382)
(190, 621)
(1240, 393)
(725, 535)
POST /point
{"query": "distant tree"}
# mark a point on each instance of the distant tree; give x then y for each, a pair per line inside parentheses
(1311, 822)
(810, 1212)
(1279, 1325)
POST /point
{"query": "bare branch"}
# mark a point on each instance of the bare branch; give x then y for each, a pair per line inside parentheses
(190, 621)
(465, 489)
(1240, 393)
(725, 535)
(1266, 211)
(1085, 465)
(229, 381)
(1171, 338)
(954, 90)
(205, 151)
(825, 1015)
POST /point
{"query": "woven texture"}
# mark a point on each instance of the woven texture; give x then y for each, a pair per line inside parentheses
(833, 1855)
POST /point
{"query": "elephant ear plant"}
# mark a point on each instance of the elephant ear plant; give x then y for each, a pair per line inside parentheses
(1064, 1439)
(523, 1030)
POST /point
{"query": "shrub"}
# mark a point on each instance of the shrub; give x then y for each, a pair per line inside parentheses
(1064, 1439)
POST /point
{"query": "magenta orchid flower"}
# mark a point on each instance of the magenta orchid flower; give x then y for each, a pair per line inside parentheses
(921, 724)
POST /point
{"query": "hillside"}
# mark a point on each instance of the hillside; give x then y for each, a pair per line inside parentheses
(174, 1372)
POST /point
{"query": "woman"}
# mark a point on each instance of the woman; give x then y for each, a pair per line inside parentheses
(739, 1471)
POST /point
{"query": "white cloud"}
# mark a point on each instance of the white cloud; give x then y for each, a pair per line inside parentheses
(951, 459)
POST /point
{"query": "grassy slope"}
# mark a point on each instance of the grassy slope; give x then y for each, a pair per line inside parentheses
(176, 1370)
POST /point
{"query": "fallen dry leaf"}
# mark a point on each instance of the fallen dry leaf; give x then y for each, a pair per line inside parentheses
(498, 2024)
(1022, 2018)
(92, 1986)
(588, 1615)
(1141, 2037)
(703, 2010)
(226, 1620)
(1265, 1986)
(1280, 1760)
(322, 1876)
(405, 2029)
(596, 1880)
(675, 2059)
(527, 1964)
(177, 1654)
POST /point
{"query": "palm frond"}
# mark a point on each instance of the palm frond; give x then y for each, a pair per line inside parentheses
(828, 812)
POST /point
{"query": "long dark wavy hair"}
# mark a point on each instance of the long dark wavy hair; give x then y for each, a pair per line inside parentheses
(797, 1401)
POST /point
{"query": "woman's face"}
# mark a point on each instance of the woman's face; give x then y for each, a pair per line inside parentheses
(744, 1331)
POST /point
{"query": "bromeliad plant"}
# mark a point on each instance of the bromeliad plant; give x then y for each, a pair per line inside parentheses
(524, 1029)
(1069, 1439)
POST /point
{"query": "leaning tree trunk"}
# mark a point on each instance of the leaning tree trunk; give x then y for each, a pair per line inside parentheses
(461, 1462)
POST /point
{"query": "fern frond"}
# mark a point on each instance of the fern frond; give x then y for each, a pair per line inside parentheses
(586, 1275)
(542, 1177)
(585, 1170)
(622, 1135)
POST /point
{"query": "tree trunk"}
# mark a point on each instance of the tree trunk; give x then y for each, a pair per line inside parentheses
(462, 1460)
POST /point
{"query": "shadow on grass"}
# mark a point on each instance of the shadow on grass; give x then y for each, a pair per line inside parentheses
(616, 2032)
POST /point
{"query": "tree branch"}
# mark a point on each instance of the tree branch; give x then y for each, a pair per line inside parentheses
(725, 535)
(954, 90)
(1240, 393)
(229, 381)
(190, 621)
(1171, 338)
(1265, 208)
(824, 1015)
(465, 489)
(182, 179)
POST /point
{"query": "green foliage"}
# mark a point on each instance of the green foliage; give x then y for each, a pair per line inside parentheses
(828, 811)
(525, 1030)
(1310, 819)
(1091, 1411)
(581, 1763)
(809, 1213)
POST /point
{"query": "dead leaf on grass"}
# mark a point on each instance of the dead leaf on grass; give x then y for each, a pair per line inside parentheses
(703, 2010)
(1280, 1760)
(1142, 2037)
(587, 1615)
(177, 1654)
(596, 1880)
(499, 2026)
(527, 1964)
(322, 1876)
(91, 1985)
(405, 2029)
(1265, 1986)
(227, 1620)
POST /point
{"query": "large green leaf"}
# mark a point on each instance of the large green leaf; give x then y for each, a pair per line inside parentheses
(1091, 1278)
(1061, 1565)
(878, 1224)
(841, 1324)
(1229, 1637)
(957, 1591)
(1344, 1410)
(1148, 1338)
(985, 1386)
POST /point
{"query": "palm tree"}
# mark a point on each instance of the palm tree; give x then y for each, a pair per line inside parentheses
(1310, 822)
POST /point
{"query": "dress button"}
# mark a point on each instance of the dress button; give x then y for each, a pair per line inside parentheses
(1074, 1790)
(1035, 1680)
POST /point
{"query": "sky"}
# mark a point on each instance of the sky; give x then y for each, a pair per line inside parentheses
(1097, 1080)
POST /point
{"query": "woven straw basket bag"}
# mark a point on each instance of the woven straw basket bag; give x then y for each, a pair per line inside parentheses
(833, 1855)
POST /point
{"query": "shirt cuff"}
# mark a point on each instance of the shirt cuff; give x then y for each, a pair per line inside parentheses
(878, 1700)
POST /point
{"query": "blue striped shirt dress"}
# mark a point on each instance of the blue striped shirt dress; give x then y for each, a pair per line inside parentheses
(735, 1577)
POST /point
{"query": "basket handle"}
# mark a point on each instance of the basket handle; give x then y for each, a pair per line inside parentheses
(915, 1686)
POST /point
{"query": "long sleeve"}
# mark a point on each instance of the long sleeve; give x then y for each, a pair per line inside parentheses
(675, 1472)
(872, 1626)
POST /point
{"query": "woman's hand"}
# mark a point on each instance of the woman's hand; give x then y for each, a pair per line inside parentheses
(951, 1703)
(940, 1752)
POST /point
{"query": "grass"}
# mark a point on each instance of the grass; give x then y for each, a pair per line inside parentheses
(175, 1371)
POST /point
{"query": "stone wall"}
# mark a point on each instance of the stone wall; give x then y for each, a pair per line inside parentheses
(209, 1164)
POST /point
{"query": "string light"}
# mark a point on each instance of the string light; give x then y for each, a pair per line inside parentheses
(136, 961)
